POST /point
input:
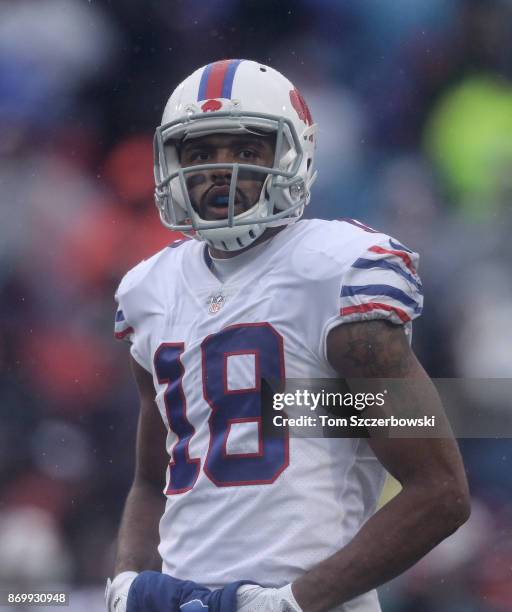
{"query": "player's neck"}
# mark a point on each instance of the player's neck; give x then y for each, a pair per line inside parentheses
(267, 234)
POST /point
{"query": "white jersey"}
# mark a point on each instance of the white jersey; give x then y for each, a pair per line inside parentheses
(240, 506)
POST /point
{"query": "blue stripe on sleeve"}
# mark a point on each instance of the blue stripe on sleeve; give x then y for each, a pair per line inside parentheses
(383, 264)
(398, 246)
(387, 290)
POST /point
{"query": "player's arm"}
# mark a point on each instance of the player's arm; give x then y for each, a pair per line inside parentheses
(138, 534)
(434, 500)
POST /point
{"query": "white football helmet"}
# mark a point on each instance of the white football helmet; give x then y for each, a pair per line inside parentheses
(236, 96)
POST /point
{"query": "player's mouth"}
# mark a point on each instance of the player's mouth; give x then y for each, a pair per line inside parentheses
(215, 203)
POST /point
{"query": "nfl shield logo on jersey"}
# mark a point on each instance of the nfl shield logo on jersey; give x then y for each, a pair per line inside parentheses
(215, 303)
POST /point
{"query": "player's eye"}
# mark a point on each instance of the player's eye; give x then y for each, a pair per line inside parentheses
(248, 154)
(200, 156)
(197, 156)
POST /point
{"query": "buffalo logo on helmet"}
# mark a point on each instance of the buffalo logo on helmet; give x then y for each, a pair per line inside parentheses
(210, 106)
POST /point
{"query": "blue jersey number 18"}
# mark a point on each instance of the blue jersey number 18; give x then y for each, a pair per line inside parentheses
(228, 407)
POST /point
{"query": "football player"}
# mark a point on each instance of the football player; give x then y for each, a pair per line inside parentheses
(250, 521)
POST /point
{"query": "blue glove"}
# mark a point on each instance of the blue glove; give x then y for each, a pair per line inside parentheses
(156, 592)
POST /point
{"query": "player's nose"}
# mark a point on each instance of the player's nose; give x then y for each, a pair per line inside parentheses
(219, 175)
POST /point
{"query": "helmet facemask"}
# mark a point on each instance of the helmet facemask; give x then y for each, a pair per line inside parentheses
(283, 195)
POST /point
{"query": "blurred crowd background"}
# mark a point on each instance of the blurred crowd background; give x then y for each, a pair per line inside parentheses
(414, 104)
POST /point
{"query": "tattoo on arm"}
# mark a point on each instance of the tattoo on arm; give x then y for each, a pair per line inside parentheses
(370, 348)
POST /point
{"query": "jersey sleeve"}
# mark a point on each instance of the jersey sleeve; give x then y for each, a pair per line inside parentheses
(381, 283)
(129, 321)
(122, 328)
(141, 300)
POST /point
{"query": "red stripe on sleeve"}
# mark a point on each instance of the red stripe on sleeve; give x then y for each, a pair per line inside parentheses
(403, 256)
(404, 317)
(216, 79)
(123, 334)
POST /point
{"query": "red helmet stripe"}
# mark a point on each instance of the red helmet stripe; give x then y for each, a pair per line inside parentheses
(217, 79)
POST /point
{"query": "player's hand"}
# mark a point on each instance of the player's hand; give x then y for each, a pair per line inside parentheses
(156, 592)
(252, 598)
(116, 592)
